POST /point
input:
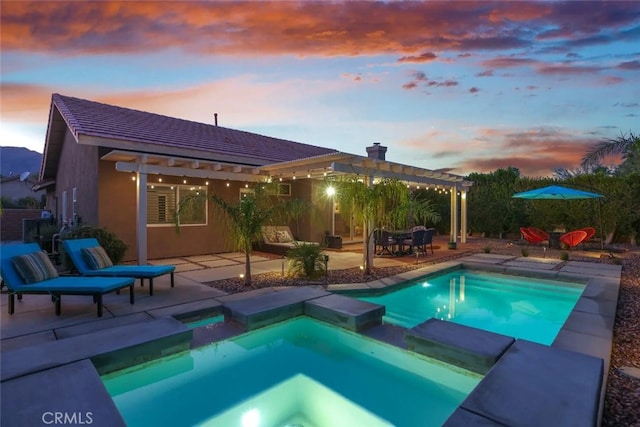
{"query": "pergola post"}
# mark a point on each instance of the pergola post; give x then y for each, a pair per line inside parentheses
(453, 236)
(141, 221)
(463, 216)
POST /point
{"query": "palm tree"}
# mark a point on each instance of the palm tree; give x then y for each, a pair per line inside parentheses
(244, 218)
(627, 147)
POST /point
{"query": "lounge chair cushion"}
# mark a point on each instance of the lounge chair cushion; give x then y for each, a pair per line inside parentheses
(96, 258)
(34, 267)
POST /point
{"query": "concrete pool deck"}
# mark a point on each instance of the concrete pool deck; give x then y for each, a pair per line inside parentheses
(39, 349)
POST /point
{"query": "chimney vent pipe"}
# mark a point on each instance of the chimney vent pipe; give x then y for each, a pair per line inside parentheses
(215, 118)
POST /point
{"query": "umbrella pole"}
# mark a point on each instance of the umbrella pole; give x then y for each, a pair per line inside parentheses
(601, 229)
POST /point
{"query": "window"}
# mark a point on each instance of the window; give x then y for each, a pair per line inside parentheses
(281, 189)
(244, 192)
(163, 201)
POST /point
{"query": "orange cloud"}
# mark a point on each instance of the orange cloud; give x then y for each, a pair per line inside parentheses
(315, 28)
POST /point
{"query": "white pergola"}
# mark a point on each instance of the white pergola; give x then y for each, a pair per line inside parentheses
(318, 167)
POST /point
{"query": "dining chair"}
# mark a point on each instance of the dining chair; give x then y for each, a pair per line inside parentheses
(382, 239)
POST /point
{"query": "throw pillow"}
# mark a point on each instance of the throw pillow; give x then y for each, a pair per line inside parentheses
(269, 236)
(34, 267)
(284, 236)
(96, 258)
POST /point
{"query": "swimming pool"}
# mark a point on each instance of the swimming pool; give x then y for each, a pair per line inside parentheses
(299, 371)
(520, 307)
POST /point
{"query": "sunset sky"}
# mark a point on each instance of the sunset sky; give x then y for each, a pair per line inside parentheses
(464, 86)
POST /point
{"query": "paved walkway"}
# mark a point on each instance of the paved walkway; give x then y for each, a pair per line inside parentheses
(35, 321)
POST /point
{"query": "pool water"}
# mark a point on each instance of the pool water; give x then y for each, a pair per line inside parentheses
(298, 372)
(520, 307)
(205, 321)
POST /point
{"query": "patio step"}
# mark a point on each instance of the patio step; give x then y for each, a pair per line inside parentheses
(535, 385)
(270, 308)
(109, 349)
(345, 312)
(470, 348)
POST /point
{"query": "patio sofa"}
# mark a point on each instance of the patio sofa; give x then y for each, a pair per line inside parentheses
(278, 239)
(26, 269)
(90, 262)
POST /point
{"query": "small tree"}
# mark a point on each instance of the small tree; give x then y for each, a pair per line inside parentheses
(244, 218)
(375, 204)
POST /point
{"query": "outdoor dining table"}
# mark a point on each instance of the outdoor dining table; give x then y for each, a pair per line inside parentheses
(398, 237)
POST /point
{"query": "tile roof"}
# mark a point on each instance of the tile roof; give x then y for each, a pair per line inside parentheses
(108, 121)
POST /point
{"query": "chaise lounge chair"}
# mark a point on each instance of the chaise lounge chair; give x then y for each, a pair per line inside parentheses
(90, 259)
(26, 269)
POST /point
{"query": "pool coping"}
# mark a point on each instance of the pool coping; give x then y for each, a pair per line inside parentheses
(588, 330)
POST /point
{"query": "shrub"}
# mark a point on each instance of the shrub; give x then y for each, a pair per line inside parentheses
(564, 256)
(306, 260)
(113, 246)
(487, 249)
(524, 252)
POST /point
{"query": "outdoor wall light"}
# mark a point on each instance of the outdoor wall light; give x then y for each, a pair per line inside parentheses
(294, 175)
(184, 181)
(331, 191)
(246, 185)
(308, 174)
(280, 179)
(160, 179)
(228, 183)
(133, 178)
(206, 183)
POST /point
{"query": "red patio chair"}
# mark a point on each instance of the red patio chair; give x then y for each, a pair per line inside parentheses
(539, 233)
(573, 238)
(590, 233)
(530, 237)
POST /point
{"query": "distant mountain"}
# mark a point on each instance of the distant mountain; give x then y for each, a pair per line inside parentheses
(15, 160)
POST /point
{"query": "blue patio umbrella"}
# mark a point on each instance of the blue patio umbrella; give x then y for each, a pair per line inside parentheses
(557, 192)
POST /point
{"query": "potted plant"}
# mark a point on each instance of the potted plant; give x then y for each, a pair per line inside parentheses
(452, 244)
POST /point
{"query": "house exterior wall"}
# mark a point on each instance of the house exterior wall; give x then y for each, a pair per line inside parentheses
(117, 213)
(78, 168)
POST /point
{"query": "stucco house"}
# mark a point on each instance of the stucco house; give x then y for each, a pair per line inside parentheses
(126, 170)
